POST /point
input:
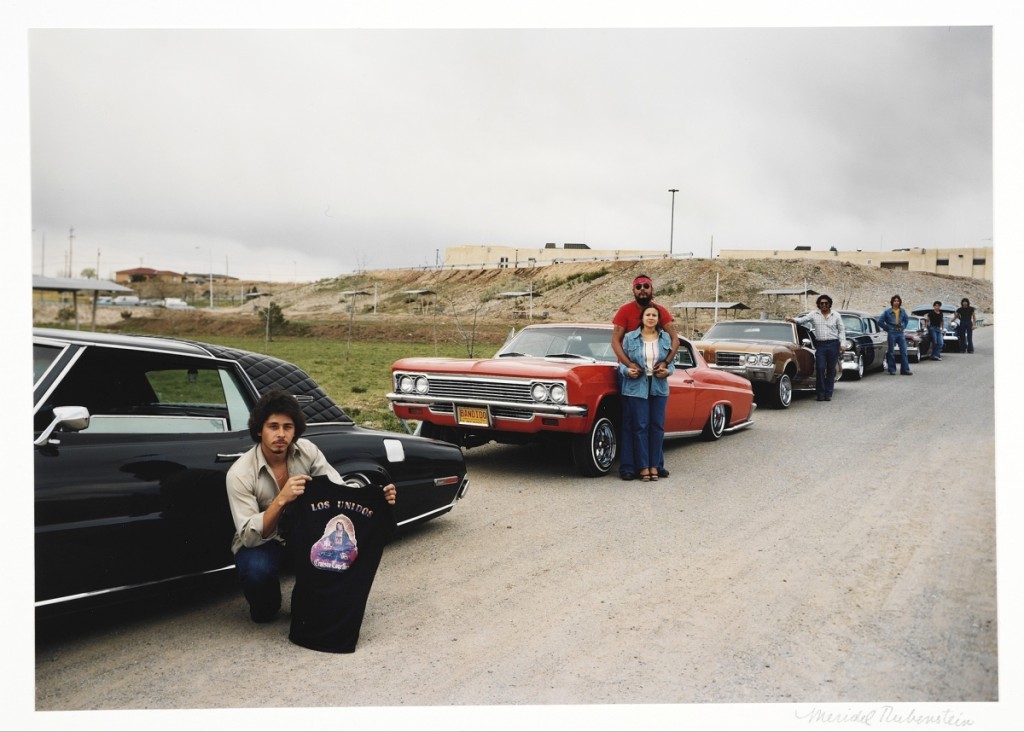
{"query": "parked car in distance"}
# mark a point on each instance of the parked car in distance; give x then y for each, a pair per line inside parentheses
(866, 344)
(558, 384)
(776, 356)
(919, 342)
(128, 300)
(133, 437)
(175, 303)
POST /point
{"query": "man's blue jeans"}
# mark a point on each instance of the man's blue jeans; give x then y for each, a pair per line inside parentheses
(825, 358)
(936, 336)
(259, 569)
(897, 339)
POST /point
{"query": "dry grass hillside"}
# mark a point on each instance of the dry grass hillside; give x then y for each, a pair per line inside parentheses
(456, 302)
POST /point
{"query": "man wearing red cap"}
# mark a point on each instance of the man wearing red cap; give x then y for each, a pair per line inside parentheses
(626, 319)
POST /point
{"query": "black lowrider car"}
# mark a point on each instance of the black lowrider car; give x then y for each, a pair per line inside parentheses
(866, 344)
(134, 435)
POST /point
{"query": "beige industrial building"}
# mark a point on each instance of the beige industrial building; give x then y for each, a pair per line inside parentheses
(963, 262)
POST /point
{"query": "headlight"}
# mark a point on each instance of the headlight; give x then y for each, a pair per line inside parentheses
(558, 394)
(405, 383)
(752, 359)
(849, 345)
(422, 385)
(539, 392)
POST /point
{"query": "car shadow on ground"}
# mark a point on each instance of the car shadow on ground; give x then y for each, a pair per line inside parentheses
(90, 616)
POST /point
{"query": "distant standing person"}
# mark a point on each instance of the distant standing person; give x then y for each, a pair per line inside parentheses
(645, 390)
(935, 319)
(628, 318)
(894, 321)
(965, 331)
(260, 486)
(829, 344)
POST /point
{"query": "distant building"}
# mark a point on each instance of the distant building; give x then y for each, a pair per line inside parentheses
(146, 274)
(973, 262)
(513, 257)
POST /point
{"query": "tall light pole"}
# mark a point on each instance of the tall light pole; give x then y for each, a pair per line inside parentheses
(672, 225)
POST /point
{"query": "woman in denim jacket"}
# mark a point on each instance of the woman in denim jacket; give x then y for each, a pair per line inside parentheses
(646, 389)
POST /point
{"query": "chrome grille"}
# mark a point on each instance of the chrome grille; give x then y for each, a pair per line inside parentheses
(728, 359)
(500, 391)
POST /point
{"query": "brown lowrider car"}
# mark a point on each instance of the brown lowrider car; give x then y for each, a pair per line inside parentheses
(777, 357)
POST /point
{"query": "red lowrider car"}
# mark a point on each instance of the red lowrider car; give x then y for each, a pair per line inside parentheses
(558, 382)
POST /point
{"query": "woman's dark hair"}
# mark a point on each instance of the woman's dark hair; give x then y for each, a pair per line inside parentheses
(823, 297)
(894, 298)
(276, 401)
(657, 326)
(966, 302)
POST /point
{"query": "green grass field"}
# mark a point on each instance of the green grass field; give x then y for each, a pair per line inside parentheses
(356, 375)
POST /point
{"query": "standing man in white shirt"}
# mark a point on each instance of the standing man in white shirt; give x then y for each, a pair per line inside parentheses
(829, 344)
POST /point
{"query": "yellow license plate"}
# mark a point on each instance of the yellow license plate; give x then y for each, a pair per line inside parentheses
(476, 416)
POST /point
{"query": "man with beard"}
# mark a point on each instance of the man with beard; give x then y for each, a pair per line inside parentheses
(260, 486)
(628, 318)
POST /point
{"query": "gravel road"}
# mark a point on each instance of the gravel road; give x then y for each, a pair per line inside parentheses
(838, 558)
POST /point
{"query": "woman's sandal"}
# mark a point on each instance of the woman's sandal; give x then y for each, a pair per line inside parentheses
(654, 474)
(645, 476)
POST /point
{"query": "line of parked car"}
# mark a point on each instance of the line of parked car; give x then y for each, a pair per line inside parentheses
(134, 435)
(557, 384)
(131, 301)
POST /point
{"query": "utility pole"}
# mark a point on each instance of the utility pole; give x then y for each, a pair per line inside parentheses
(71, 244)
(672, 225)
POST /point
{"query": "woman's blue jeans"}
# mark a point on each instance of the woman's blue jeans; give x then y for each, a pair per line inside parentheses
(648, 430)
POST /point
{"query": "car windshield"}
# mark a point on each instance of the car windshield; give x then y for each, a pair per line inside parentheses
(751, 332)
(561, 341)
(853, 324)
(914, 324)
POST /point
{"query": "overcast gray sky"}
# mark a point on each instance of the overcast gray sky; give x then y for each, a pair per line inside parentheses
(286, 154)
(283, 154)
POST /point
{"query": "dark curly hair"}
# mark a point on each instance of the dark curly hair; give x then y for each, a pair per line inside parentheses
(276, 401)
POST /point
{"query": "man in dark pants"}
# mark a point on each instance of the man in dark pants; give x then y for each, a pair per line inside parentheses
(935, 318)
(829, 344)
(965, 330)
(628, 318)
(260, 485)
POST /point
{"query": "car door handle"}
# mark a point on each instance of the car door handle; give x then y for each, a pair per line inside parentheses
(225, 457)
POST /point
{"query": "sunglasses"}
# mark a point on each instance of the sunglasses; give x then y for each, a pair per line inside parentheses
(643, 286)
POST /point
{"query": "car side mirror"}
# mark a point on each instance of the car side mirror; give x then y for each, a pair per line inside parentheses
(68, 419)
(806, 343)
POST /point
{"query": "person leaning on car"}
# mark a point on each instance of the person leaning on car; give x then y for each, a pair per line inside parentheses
(260, 485)
(628, 318)
(935, 318)
(894, 321)
(829, 344)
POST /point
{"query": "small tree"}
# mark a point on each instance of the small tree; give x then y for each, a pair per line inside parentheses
(273, 318)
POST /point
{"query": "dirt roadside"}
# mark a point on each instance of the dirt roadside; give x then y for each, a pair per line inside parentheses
(754, 585)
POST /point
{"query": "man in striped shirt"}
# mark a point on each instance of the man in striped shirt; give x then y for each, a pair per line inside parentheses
(829, 344)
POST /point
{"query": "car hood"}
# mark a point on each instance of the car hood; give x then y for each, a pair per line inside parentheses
(511, 366)
(719, 344)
